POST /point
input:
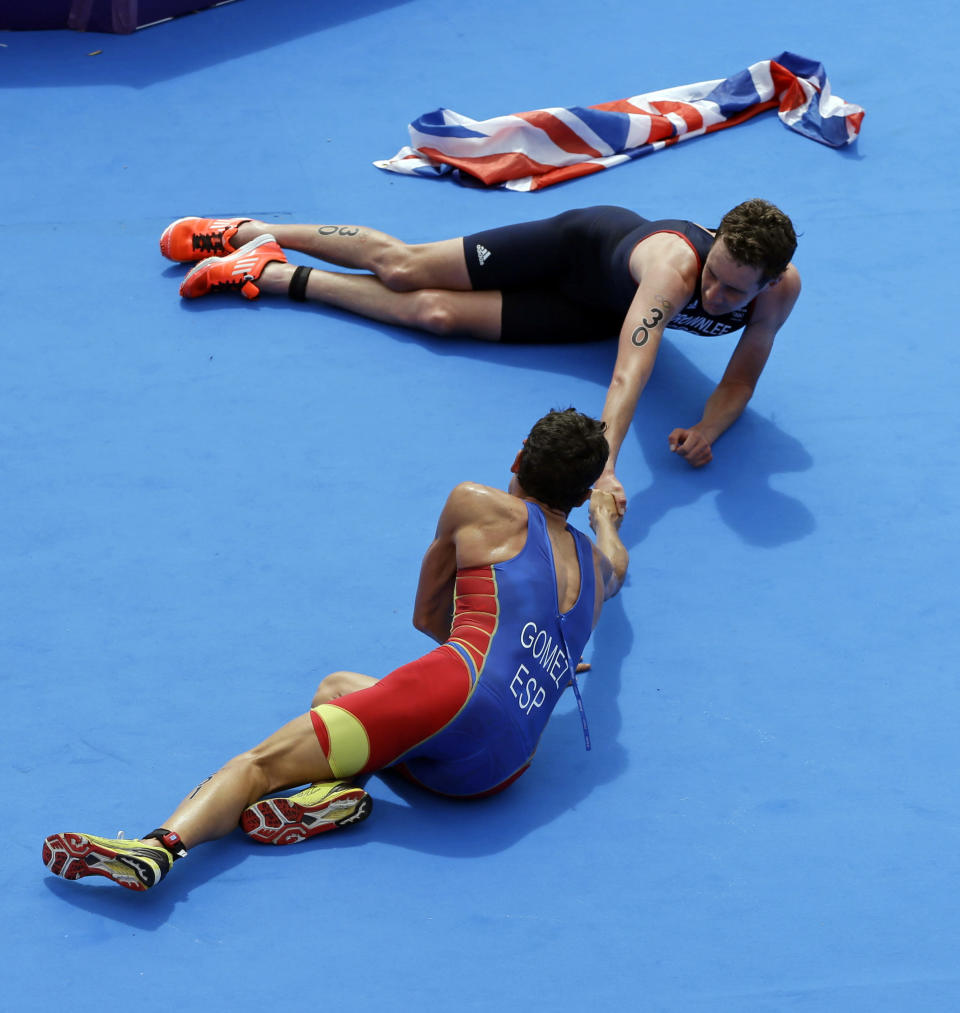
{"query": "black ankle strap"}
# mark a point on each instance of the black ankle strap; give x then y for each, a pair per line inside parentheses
(298, 284)
(170, 840)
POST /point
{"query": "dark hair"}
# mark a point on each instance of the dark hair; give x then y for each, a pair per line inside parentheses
(758, 234)
(562, 457)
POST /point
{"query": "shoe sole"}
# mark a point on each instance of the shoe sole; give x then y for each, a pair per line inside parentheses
(280, 821)
(209, 262)
(74, 856)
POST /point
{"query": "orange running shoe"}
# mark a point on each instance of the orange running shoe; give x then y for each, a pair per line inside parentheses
(189, 239)
(240, 269)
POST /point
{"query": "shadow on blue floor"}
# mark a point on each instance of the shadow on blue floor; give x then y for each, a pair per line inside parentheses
(748, 457)
(209, 505)
(60, 58)
(558, 780)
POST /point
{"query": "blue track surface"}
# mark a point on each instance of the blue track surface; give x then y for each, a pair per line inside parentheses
(206, 507)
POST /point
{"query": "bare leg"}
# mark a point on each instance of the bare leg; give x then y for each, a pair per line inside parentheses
(436, 311)
(401, 266)
(425, 286)
(290, 757)
(338, 684)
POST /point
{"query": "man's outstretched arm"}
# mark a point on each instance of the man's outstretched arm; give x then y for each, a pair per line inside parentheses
(731, 396)
(605, 519)
(663, 291)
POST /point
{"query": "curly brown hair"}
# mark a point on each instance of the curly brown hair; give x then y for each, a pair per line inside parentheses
(562, 457)
(758, 234)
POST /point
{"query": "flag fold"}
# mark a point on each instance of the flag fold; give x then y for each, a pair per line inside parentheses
(533, 150)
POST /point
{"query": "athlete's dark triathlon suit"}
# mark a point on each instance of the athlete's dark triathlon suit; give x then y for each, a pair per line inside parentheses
(567, 278)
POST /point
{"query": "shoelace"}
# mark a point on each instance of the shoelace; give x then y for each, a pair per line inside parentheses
(237, 282)
(208, 241)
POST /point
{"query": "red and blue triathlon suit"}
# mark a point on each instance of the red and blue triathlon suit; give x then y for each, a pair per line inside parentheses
(465, 719)
(567, 278)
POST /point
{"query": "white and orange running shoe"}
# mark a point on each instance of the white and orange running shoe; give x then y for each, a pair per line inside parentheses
(238, 270)
(189, 239)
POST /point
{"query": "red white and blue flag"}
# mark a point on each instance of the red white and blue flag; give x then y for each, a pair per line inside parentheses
(532, 150)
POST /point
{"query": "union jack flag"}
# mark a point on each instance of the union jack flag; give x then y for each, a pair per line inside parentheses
(532, 150)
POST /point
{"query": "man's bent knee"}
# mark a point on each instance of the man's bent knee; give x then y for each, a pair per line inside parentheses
(396, 267)
(434, 312)
(329, 689)
(338, 684)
